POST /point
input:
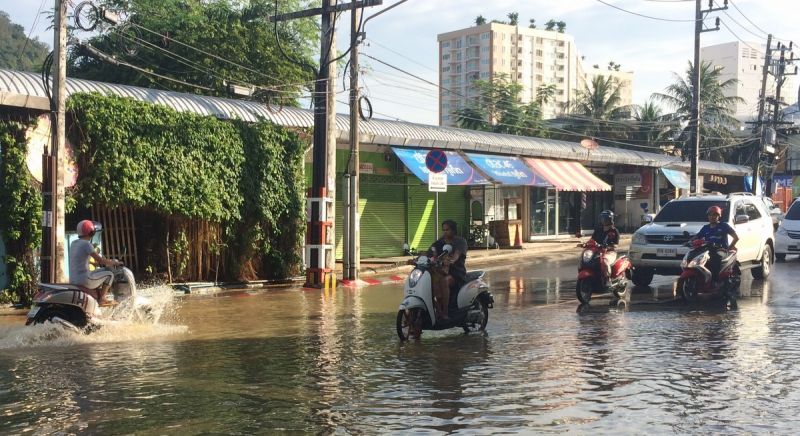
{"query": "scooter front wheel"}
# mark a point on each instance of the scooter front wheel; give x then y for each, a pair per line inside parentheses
(583, 290)
(687, 289)
(409, 324)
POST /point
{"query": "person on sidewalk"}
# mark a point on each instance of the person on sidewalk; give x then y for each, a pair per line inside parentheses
(607, 235)
(96, 282)
(453, 273)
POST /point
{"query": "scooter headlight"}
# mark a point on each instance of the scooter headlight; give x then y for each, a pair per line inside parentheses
(587, 255)
(699, 260)
(414, 277)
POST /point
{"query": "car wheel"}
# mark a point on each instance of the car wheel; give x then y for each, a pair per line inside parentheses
(643, 276)
(780, 257)
(762, 271)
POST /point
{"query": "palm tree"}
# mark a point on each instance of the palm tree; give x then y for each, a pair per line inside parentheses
(651, 126)
(717, 122)
(480, 20)
(599, 103)
(513, 18)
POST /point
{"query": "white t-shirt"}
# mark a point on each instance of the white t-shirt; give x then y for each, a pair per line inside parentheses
(79, 253)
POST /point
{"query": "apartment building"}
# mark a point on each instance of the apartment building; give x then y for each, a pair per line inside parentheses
(531, 57)
(744, 61)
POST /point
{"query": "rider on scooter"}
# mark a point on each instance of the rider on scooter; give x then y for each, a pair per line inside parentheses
(607, 235)
(98, 281)
(716, 233)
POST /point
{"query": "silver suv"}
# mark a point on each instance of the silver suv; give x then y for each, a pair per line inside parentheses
(658, 247)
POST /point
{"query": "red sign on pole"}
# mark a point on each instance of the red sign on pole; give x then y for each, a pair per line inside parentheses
(436, 161)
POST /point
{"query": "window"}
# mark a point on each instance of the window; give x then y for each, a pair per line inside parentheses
(484, 75)
(445, 69)
(752, 212)
(445, 57)
(539, 65)
(740, 209)
(561, 43)
(794, 212)
(484, 61)
(446, 44)
(539, 53)
(485, 49)
(688, 211)
(485, 35)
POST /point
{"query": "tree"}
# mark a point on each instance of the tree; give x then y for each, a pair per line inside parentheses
(651, 126)
(532, 24)
(513, 18)
(597, 109)
(550, 24)
(498, 108)
(717, 109)
(545, 94)
(480, 20)
(562, 26)
(17, 51)
(234, 40)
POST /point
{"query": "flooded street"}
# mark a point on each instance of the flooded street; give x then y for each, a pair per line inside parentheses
(315, 362)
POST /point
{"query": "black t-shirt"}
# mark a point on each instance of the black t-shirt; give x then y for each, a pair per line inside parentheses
(458, 269)
(605, 237)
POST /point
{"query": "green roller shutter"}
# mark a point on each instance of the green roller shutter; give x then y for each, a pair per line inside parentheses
(421, 213)
(382, 207)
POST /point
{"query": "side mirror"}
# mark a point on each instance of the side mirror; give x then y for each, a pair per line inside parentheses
(741, 219)
(647, 218)
(447, 249)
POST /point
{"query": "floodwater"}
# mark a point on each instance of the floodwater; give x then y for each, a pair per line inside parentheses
(314, 362)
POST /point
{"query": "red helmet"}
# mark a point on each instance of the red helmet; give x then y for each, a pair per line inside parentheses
(86, 228)
(714, 209)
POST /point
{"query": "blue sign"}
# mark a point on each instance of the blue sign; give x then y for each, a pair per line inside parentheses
(458, 171)
(436, 161)
(507, 170)
(679, 179)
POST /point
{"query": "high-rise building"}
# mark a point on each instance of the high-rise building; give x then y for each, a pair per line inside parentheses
(530, 57)
(744, 61)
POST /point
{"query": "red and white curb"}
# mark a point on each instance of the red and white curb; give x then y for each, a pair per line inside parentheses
(370, 282)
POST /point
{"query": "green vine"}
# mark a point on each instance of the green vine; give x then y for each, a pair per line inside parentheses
(246, 176)
(20, 221)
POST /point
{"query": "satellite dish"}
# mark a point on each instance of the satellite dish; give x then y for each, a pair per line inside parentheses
(589, 144)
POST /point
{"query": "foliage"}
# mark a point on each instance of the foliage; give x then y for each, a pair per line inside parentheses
(480, 20)
(561, 26)
(651, 127)
(238, 31)
(513, 18)
(20, 222)
(246, 176)
(550, 24)
(17, 51)
(716, 109)
(596, 109)
(498, 108)
(532, 24)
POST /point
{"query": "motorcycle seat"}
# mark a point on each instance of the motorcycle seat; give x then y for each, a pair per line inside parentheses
(64, 287)
(474, 275)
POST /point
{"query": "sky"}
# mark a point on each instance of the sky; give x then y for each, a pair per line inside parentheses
(405, 37)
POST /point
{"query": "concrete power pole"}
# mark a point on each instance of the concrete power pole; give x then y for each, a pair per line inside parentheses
(354, 232)
(761, 108)
(694, 123)
(53, 259)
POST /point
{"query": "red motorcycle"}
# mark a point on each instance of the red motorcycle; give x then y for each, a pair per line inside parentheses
(592, 274)
(695, 283)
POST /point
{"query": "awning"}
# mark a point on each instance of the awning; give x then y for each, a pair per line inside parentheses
(567, 175)
(679, 179)
(459, 172)
(507, 170)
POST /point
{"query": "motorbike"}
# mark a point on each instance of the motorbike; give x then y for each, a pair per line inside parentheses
(695, 282)
(469, 308)
(591, 274)
(73, 308)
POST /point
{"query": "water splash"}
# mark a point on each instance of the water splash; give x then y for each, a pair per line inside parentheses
(128, 325)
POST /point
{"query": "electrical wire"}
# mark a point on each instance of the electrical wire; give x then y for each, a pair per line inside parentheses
(724, 24)
(646, 16)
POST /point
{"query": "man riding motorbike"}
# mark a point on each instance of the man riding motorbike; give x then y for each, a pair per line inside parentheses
(453, 274)
(716, 233)
(96, 282)
(607, 235)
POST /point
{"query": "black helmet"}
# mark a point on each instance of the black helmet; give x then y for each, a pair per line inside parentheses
(606, 217)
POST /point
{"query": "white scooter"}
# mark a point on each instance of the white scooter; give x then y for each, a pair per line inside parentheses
(71, 307)
(417, 313)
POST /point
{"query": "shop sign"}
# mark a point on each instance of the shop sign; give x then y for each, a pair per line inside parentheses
(719, 180)
(366, 168)
(630, 179)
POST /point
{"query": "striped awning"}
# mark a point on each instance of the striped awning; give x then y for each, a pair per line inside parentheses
(567, 175)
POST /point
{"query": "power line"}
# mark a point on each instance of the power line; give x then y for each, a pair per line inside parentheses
(646, 16)
(724, 24)
(30, 31)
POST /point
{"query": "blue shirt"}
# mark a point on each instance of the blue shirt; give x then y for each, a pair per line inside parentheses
(718, 235)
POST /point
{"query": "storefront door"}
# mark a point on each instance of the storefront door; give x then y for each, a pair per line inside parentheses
(543, 211)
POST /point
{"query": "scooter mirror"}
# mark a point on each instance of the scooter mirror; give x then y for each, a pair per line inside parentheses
(447, 248)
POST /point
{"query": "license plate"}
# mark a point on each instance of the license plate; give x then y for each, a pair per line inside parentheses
(666, 252)
(33, 311)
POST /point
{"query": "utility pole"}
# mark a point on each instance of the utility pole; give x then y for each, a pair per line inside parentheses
(52, 257)
(780, 79)
(694, 123)
(320, 234)
(354, 232)
(761, 108)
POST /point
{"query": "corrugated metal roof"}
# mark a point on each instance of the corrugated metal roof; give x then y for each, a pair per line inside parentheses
(375, 131)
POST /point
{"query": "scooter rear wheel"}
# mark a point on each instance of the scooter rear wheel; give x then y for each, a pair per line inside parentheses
(409, 324)
(583, 290)
(480, 305)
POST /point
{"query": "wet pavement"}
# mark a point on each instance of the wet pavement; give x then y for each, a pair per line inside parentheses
(314, 362)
